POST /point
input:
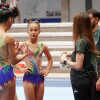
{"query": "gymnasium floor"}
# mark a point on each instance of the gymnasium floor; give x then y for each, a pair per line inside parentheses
(57, 87)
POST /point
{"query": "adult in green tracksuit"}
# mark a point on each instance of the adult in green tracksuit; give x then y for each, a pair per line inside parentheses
(95, 17)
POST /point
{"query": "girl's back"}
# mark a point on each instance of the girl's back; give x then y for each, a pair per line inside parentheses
(4, 60)
(6, 70)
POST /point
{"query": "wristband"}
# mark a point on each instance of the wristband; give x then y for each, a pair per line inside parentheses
(65, 62)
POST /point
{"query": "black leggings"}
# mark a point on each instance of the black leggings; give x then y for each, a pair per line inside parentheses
(82, 91)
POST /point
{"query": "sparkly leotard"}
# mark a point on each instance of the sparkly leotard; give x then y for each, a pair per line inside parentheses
(6, 70)
(34, 61)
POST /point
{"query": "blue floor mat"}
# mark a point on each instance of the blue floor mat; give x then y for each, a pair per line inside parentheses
(55, 89)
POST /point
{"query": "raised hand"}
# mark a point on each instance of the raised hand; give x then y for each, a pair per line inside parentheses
(17, 48)
(16, 44)
(24, 48)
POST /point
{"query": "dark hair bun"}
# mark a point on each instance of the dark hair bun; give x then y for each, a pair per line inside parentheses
(1, 5)
(6, 5)
(38, 20)
(28, 20)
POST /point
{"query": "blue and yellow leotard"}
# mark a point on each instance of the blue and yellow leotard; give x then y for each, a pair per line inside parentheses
(6, 70)
(34, 61)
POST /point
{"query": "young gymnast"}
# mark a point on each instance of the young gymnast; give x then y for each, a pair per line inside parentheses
(8, 55)
(17, 66)
(34, 82)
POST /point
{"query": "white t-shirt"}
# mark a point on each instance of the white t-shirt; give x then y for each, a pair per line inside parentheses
(15, 3)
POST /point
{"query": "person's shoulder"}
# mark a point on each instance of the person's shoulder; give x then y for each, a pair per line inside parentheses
(98, 31)
(44, 45)
(9, 39)
(82, 40)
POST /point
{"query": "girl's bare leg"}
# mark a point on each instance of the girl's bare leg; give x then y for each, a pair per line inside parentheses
(29, 91)
(40, 92)
(9, 92)
(15, 97)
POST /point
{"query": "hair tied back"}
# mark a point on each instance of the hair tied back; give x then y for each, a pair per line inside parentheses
(4, 8)
(37, 20)
(28, 20)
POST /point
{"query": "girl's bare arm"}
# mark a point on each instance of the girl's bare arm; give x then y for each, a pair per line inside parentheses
(50, 60)
(11, 50)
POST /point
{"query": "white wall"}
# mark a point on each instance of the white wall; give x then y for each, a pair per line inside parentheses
(76, 6)
(96, 4)
(38, 8)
